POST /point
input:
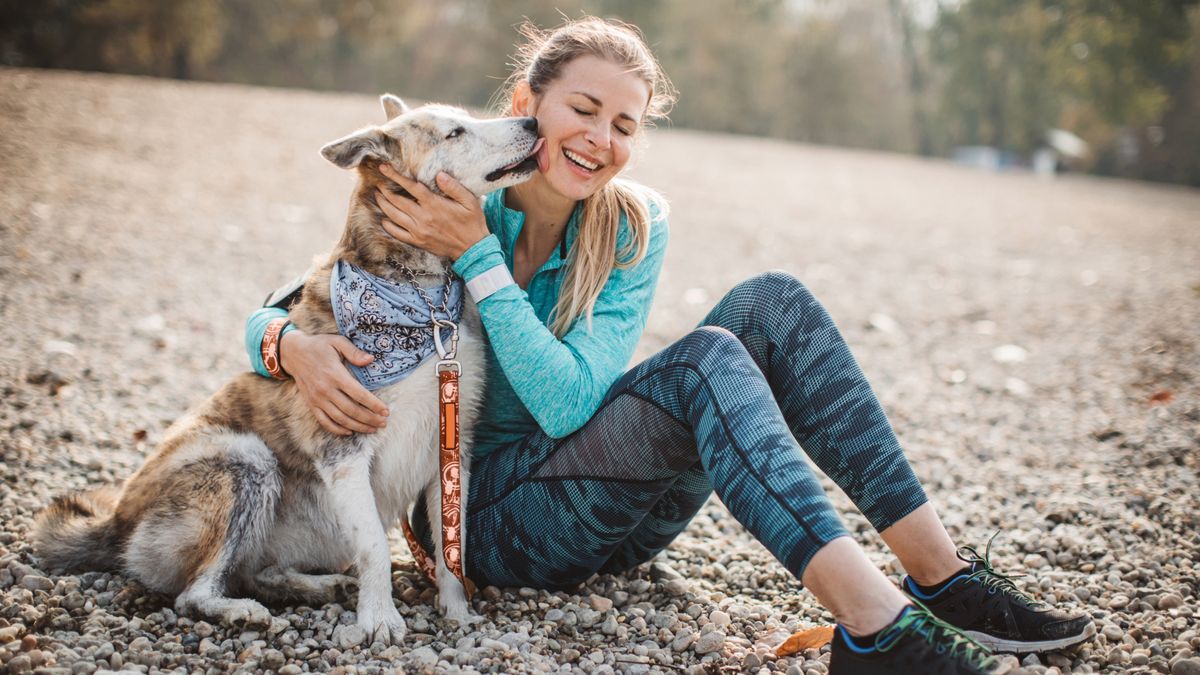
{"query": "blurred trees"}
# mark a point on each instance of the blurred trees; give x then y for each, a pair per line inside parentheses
(903, 75)
(1106, 70)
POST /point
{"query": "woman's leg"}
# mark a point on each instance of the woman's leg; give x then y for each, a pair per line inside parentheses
(835, 416)
(550, 513)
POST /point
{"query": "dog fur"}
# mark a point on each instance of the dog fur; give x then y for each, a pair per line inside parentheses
(247, 493)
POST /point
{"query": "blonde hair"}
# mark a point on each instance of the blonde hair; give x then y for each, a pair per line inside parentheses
(594, 255)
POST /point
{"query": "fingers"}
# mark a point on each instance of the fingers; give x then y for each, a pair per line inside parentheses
(351, 415)
(368, 401)
(455, 190)
(346, 349)
(328, 424)
(398, 233)
(414, 187)
(355, 416)
(395, 208)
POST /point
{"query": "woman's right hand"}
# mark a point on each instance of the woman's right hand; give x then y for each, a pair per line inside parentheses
(340, 403)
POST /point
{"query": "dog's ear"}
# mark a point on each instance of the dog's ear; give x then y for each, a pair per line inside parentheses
(349, 151)
(393, 107)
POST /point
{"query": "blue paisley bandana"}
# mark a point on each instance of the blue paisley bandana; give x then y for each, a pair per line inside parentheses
(388, 320)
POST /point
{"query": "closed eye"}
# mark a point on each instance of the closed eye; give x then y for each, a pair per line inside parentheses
(459, 131)
(585, 113)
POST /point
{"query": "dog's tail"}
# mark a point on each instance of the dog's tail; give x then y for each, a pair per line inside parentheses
(76, 532)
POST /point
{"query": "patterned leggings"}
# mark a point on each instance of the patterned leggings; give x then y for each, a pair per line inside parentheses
(729, 407)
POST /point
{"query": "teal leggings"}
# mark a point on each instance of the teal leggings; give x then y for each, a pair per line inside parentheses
(731, 407)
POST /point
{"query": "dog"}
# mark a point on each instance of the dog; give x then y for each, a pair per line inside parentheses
(247, 493)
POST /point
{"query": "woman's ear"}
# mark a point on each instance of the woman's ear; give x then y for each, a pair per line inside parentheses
(524, 103)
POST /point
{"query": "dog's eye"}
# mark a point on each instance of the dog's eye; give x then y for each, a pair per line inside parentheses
(456, 133)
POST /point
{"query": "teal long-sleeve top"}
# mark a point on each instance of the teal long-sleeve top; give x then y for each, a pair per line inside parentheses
(535, 379)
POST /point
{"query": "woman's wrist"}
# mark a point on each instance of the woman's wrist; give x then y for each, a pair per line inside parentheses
(287, 343)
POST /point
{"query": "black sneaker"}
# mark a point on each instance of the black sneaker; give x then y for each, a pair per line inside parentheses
(989, 607)
(915, 643)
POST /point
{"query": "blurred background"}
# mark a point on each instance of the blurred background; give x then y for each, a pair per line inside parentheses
(1110, 87)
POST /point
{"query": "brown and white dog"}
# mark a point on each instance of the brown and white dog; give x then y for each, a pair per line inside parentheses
(247, 493)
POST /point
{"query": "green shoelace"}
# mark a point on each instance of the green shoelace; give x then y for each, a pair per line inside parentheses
(943, 636)
(988, 576)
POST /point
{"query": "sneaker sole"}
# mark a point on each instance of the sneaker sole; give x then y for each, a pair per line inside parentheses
(1018, 647)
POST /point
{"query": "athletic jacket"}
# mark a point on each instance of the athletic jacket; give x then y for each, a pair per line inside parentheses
(534, 379)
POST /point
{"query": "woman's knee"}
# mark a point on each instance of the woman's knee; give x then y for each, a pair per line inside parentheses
(773, 288)
(698, 346)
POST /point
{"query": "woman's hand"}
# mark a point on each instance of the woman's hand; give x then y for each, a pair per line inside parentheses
(339, 402)
(444, 226)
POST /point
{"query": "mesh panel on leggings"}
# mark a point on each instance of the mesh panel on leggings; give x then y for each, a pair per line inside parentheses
(631, 439)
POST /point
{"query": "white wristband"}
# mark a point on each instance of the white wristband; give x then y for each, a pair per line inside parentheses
(489, 282)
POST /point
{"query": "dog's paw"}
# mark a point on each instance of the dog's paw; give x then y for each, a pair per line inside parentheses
(386, 626)
(456, 610)
(244, 614)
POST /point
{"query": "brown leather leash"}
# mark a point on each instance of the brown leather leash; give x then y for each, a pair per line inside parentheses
(449, 463)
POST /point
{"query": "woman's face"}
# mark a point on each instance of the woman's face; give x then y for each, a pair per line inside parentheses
(590, 115)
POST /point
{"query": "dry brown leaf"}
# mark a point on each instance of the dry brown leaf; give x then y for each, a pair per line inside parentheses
(1164, 397)
(811, 638)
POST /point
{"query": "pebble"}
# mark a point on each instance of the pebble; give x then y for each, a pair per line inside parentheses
(709, 642)
(349, 636)
(1186, 667)
(1170, 601)
(35, 582)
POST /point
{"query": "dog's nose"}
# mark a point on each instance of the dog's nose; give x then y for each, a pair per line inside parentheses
(530, 123)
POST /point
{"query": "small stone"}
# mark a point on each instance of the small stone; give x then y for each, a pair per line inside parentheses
(600, 603)
(719, 618)
(683, 640)
(1181, 667)
(1170, 601)
(10, 633)
(35, 582)
(203, 629)
(676, 586)
(272, 659)
(710, 642)
(20, 664)
(290, 669)
(349, 636)
(1118, 601)
(1058, 660)
(1113, 633)
(661, 571)
(609, 627)
(29, 642)
(424, 656)
(555, 615)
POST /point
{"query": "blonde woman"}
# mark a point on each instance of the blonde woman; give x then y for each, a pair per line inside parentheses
(580, 468)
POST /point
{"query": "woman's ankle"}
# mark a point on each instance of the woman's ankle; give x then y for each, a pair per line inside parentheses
(849, 585)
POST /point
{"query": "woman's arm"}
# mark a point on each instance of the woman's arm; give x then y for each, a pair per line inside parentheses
(340, 404)
(562, 382)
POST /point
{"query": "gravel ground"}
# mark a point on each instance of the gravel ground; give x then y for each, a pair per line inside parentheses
(1035, 343)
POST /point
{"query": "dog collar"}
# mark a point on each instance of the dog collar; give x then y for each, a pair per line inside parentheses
(388, 320)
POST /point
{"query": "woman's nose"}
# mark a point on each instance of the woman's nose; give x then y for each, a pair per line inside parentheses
(598, 135)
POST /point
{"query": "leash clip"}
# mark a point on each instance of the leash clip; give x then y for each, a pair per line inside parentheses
(444, 354)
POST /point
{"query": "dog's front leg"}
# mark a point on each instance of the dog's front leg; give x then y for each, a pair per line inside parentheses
(348, 478)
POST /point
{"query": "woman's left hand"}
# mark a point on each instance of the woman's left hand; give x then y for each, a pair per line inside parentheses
(444, 226)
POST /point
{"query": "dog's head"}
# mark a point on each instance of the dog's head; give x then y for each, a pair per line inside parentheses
(484, 155)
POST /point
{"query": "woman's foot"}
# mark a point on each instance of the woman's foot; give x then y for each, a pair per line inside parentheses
(915, 642)
(989, 607)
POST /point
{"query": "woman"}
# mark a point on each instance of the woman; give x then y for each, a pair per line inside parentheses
(579, 469)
